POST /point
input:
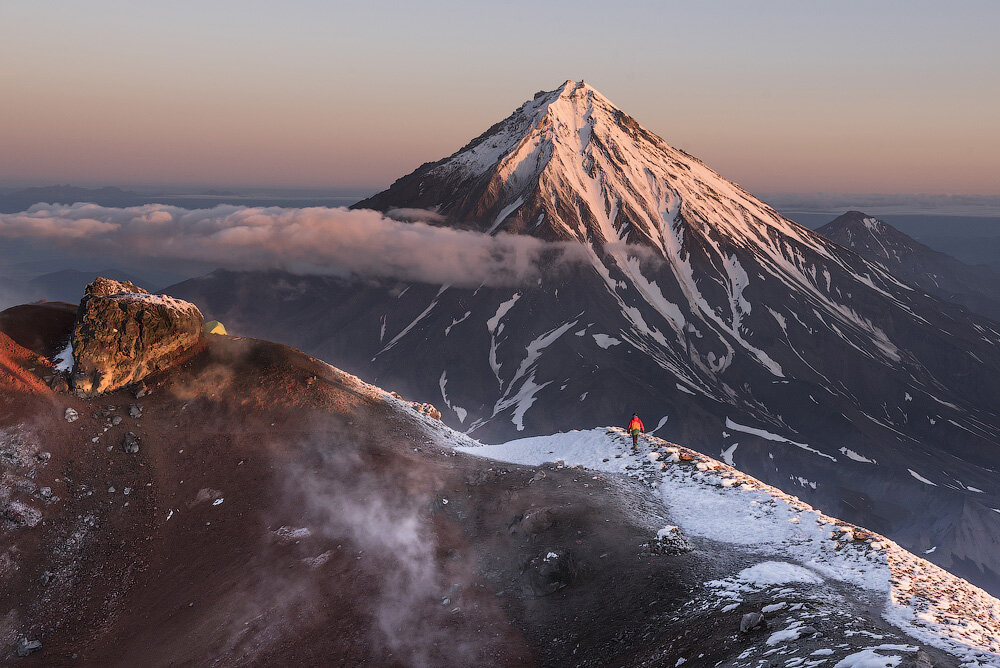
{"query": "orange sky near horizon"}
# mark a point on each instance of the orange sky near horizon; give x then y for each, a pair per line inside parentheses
(782, 98)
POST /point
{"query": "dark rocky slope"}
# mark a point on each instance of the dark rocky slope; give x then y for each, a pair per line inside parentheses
(280, 511)
(975, 287)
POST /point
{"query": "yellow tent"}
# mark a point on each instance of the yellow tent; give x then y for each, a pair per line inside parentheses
(215, 327)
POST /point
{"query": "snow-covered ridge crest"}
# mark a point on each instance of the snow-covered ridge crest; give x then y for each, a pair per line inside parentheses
(710, 499)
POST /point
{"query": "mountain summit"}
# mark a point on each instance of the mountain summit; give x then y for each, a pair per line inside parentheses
(975, 287)
(725, 325)
(570, 165)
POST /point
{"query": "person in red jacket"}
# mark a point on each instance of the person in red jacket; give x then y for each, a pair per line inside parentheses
(635, 427)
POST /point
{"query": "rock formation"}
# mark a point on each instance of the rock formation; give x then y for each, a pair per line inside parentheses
(123, 333)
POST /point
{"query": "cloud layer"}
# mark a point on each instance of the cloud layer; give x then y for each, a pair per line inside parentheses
(313, 240)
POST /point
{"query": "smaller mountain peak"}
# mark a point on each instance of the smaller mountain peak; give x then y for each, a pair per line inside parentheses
(857, 219)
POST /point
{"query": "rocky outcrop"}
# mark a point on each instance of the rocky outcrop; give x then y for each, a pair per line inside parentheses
(123, 333)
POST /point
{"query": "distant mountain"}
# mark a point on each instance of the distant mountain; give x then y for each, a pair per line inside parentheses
(975, 287)
(14, 292)
(725, 325)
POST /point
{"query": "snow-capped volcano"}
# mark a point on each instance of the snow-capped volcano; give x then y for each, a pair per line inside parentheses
(570, 165)
(726, 326)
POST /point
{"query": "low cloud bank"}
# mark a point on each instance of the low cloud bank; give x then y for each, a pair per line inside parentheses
(320, 240)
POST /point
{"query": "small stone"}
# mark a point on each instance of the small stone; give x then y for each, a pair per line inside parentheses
(135, 411)
(45, 492)
(127, 491)
(111, 490)
(43, 456)
(116, 420)
(445, 601)
(752, 621)
(71, 415)
(131, 443)
(58, 383)
(140, 390)
(26, 647)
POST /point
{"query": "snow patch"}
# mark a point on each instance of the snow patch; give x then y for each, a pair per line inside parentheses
(771, 573)
(459, 411)
(63, 360)
(850, 454)
(774, 437)
(605, 341)
(921, 478)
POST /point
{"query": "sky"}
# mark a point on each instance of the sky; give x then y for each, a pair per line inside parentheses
(780, 96)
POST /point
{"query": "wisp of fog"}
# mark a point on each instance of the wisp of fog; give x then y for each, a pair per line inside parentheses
(321, 240)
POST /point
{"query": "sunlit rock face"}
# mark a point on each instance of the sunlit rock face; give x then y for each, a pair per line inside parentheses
(123, 333)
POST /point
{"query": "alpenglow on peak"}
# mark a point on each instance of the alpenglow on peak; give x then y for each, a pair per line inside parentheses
(570, 165)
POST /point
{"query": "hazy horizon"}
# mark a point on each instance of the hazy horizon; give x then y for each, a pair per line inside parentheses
(777, 96)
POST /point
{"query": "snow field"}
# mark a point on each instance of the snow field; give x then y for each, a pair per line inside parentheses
(712, 500)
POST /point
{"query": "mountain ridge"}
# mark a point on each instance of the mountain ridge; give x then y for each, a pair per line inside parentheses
(725, 325)
(274, 497)
(972, 286)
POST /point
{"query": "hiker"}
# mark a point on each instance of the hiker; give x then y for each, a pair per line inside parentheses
(635, 427)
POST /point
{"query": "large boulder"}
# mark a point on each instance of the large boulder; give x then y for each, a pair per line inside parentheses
(123, 333)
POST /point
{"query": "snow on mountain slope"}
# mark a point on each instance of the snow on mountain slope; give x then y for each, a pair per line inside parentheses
(724, 312)
(275, 498)
(975, 287)
(796, 543)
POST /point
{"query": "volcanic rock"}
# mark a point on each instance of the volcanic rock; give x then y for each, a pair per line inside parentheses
(551, 571)
(26, 647)
(58, 383)
(752, 621)
(122, 334)
(104, 287)
(131, 443)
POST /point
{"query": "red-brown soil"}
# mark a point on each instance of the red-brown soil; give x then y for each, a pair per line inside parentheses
(280, 512)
